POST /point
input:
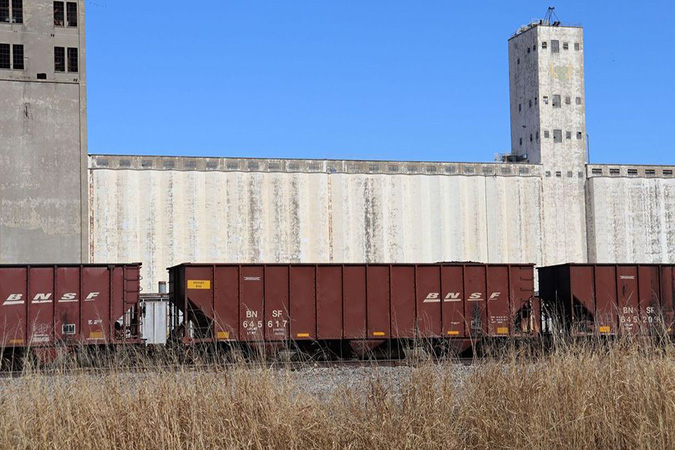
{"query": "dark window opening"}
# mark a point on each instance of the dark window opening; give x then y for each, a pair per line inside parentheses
(518, 60)
(557, 136)
(530, 137)
(59, 14)
(534, 48)
(18, 57)
(570, 174)
(72, 60)
(597, 171)
(529, 103)
(579, 135)
(17, 11)
(520, 107)
(537, 135)
(71, 9)
(547, 134)
(668, 172)
(545, 99)
(632, 172)
(59, 59)
(568, 135)
(566, 46)
(576, 46)
(650, 172)
(558, 174)
(544, 44)
(556, 101)
(4, 11)
(578, 100)
(555, 46)
(41, 76)
(528, 50)
(535, 100)
(614, 172)
(521, 141)
(568, 100)
(4, 56)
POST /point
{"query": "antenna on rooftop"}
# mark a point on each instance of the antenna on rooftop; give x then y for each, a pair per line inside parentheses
(550, 14)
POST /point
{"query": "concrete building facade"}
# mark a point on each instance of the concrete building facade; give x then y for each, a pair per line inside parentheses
(43, 130)
(543, 203)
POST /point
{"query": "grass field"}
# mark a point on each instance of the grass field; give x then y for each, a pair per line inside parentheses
(622, 396)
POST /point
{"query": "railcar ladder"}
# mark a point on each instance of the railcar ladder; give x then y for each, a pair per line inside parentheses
(132, 317)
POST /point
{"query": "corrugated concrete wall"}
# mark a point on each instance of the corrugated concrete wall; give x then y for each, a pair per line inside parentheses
(631, 219)
(166, 217)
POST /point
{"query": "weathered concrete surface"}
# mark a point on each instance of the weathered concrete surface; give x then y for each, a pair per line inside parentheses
(548, 127)
(631, 219)
(43, 164)
(166, 217)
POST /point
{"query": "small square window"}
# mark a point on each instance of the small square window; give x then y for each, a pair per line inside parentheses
(579, 135)
(547, 134)
(650, 172)
(190, 164)
(566, 46)
(576, 46)
(431, 169)
(545, 100)
(59, 14)
(614, 172)
(558, 174)
(668, 172)
(557, 136)
(4, 57)
(597, 171)
(146, 163)
(632, 172)
(556, 101)
(544, 45)
(568, 100)
(72, 60)
(393, 168)
(211, 165)
(68, 329)
(18, 57)
(555, 46)
(59, 59)
(524, 171)
(450, 169)
(568, 135)
(71, 9)
(578, 100)
(169, 164)
(548, 173)
(570, 174)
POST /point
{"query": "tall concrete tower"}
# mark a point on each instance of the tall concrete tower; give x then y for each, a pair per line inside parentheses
(43, 133)
(548, 127)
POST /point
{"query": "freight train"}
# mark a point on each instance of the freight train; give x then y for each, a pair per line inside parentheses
(329, 310)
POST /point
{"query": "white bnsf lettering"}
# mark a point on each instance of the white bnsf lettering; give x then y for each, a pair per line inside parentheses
(14, 299)
(452, 297)
(42, 298)
(433, 297)
(92, 296)
(475, 297)
(495, 295)
(68, 297)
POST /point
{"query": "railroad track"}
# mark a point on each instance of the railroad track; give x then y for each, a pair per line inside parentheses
(214, 367)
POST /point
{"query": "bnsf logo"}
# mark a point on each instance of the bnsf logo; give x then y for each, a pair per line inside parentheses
(70, 297)
(435, 297)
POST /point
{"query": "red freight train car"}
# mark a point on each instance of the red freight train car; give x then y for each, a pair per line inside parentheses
(45, 305)
(592, 299)
(364, 303)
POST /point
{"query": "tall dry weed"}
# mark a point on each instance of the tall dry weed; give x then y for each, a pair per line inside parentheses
(618, 395)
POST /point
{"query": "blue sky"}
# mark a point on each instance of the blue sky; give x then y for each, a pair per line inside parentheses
(367, 79)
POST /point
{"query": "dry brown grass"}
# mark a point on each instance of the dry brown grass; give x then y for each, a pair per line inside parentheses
(578, 397)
